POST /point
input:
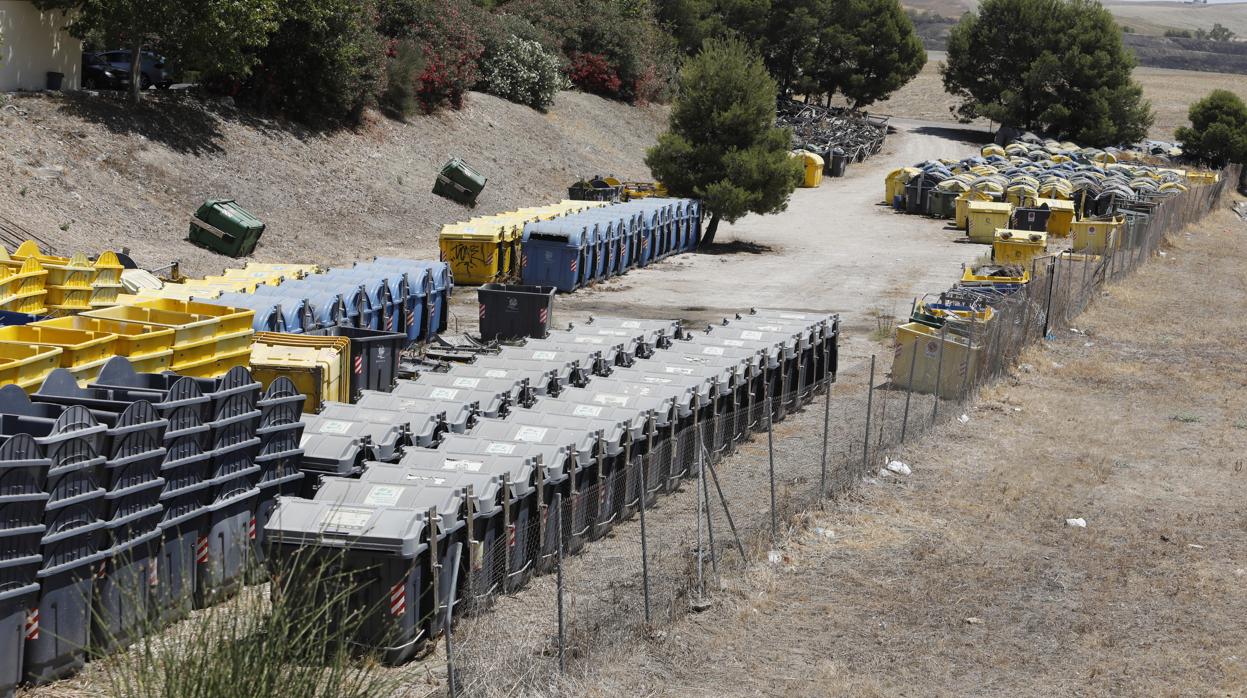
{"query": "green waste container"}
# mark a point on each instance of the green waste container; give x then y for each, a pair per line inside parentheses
(942, 204)
(459, 182)
(225, 227)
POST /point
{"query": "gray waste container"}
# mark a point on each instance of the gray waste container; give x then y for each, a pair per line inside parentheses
(521, 514)
(543, 378)
(517, 391)
(23, 476)
(451, 417)
(337, 445)
(596, 354)
(374, 560)
(484, 403)
(574, 368)
(830, 324)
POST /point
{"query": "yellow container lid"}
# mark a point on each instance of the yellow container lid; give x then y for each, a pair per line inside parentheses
(79, 347)
(26, 365)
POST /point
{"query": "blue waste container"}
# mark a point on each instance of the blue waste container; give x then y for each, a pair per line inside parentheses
(441, 285)
(557, 253)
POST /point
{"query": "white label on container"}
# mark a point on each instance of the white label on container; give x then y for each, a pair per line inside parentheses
(679, 369)
(586, 411)
(788, 316)
(496, 373)
(731, 343)
(466, 382)
(354, 520)
(611, 399)
(545, 355)
(712, 351)
(630, 324)
(383, 495)
(656, 379)
(470, 466)
(333, 426)
(589, 339)
(750, 334)
(444, 393)
(498, 448)
(694, 359)
(531, 434)
(768, 328)
(612, 333)
(425, 478)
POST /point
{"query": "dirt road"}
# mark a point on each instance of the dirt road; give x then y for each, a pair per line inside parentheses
(835, 248)
(964, 579)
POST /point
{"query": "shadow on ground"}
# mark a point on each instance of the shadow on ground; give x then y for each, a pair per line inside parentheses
(735, 247)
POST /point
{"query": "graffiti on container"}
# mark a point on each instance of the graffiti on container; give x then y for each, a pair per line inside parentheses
(466, 256)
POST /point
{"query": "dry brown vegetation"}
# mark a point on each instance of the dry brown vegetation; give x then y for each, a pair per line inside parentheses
(963, 579)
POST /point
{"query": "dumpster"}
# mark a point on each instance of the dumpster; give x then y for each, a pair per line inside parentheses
(1018, 246)
(317, 548)
(1096, 236)
(511, 311)
(221, 225)
(942, 203)
(961, 215)
(1060, 215)
(954, 366)
(521, 510)
(23, 478)
(374, 357)
(440, 286)
(539, 380)
(476, 254)
(319, 367)
(837, 163)
(495, 404)
(558, 253)
(337, 446)
(1030, 219)
(458, 182)
(984, 218)
(454, 417)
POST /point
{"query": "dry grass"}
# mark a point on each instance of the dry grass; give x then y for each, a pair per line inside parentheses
(964, 580)
(1170, 92)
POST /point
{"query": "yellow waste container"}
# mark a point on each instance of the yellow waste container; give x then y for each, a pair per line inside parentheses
(149, 348)
(948, 365)
(318, 366)
(962, 212)
(1093, 236)
(1018, 246)
(83, 353)
(812, 168)
(984, 218)
(1060, 216)
(26, 365)
(476, 254)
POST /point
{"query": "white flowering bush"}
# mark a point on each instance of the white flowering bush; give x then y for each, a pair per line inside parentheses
(524, 72)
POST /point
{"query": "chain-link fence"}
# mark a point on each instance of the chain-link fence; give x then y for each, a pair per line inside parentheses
(640, 541)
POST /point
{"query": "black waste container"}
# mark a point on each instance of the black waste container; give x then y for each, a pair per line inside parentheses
(837, 163)
(55, 80)
(374, 357)
(513, 311)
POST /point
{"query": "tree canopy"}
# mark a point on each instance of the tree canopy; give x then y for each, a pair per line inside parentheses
(1057, 66)
(1218, 131)
(722, 145)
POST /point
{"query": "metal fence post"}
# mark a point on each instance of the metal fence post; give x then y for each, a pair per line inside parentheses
(939, 372)
(822, 477)
(870, 396)
(770, 453)
(705, 494)
(644, 544)
(558, 504)
(909, 387)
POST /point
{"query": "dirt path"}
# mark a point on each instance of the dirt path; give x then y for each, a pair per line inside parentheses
(963, 579)
(835, 248)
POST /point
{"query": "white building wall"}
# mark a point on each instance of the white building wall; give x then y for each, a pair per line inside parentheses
(34, 43)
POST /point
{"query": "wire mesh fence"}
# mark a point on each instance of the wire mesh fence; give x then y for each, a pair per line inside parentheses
(645, 540)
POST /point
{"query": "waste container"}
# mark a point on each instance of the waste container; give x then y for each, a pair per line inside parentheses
(1030, 219)
(513, 311)
(386, 548)
(223, 226)
(374, 357)
(984, 218)
(454, 417)
(1018, 246)
(23, 476)
(476, 254)
(955, 365)
(494, 404)
(557, 253)
(838, 163)
(942, 204)
(458, 182)
(55, 80)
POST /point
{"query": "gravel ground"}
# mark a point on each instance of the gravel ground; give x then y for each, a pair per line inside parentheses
(88, 173)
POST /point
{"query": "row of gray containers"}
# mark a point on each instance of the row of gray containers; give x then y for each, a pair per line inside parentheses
(438, 493)
(126, 504)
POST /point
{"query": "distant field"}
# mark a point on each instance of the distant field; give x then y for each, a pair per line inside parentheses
(1170, 91)
(1142, 17)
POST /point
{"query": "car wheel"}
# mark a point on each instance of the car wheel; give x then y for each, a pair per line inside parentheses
(164, 85)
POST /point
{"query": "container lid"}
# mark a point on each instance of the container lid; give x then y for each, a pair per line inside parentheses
(485, 486)
(517, 469)
(390, 530)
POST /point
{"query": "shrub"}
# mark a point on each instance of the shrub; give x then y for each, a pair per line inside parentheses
(592, 72)
(324, 64)
(449, 37)
(523, 72)
(1218, 131)
(403, 68)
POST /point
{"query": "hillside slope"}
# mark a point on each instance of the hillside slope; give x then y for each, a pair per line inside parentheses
(86, 172)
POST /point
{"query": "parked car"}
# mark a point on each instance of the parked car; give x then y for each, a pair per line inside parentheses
(155, 70)
(99, 75)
